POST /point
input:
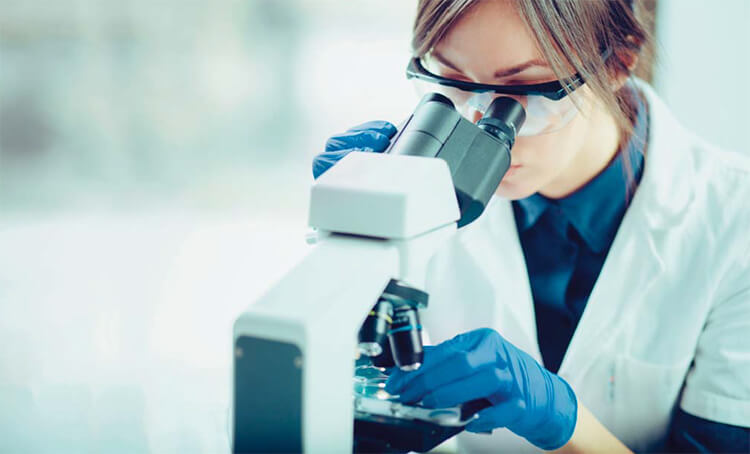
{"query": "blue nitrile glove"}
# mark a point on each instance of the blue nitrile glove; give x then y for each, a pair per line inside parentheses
(372, 136)
(526, 398)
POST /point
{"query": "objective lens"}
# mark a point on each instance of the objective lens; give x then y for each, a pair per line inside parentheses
(385, 359)
(374, 330)
(406, 339)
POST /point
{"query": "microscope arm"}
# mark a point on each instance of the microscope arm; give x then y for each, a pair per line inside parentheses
(294, 349)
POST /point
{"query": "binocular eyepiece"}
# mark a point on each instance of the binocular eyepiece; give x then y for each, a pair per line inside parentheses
(503, 119)
(478, 155)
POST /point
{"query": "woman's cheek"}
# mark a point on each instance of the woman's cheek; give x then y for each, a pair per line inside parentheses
(537, 152)
(541, 159)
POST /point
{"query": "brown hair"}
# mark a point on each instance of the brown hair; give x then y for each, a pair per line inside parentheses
(570, 34)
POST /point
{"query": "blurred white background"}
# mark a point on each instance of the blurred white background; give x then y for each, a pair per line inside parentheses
(703, 65)
(154, 164)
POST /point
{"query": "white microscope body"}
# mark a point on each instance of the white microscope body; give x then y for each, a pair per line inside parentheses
(380, 217)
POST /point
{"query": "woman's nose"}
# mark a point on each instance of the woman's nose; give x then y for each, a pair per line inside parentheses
(469, 112)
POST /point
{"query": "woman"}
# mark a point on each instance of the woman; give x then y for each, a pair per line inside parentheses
(601, 300)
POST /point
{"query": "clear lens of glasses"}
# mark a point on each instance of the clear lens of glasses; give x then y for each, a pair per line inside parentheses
(543, 115)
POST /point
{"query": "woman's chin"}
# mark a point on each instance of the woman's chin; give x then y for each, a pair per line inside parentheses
(512, 189)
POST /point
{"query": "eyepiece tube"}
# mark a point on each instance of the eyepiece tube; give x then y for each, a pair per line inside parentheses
(429, 97)
(503, 119)
(428, 128)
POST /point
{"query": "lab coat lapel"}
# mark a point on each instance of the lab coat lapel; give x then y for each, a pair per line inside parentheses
(495, 246)
(630, 271)
(636, 260)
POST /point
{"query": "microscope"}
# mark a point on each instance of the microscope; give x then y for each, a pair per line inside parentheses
(380, 217)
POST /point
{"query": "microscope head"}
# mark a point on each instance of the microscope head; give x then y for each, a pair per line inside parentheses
(478, 155)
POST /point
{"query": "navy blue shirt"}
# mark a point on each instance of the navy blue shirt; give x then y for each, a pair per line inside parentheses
(565, 243)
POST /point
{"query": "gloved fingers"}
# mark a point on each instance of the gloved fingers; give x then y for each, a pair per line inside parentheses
(452, 367)
(451, 359)
(383, 127)
(412, 387)
(471, 340)
(503, 414)
(368, 140)
(432, 356)
(326, 160)
(488, 381)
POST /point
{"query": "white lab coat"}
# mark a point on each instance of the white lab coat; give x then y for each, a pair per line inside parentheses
(668, 321)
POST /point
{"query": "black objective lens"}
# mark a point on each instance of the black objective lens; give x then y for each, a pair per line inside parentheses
(406, 338)
(374, 331)
(385, 359)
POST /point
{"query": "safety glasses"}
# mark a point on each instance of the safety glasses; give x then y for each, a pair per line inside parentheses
(551, 90)
(548, 105)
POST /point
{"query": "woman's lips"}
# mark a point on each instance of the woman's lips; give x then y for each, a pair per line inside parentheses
(512, 169)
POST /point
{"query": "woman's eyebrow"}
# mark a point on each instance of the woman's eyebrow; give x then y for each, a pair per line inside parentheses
(500, 73)
(520, 68)
(444, 61)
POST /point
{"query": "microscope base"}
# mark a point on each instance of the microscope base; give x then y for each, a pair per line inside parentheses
(382, 434)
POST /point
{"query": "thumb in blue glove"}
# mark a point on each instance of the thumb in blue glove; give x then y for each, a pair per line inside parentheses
(373, 136)
(527, 399)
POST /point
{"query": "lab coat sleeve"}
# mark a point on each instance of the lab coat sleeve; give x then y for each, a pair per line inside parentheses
(717, 387)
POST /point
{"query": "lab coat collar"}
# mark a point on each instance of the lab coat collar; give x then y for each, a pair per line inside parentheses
(666, 189)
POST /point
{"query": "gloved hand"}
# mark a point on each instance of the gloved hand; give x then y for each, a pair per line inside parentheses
(373, 136)
(526, 398)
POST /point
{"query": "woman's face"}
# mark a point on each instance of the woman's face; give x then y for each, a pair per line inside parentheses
(491, 45)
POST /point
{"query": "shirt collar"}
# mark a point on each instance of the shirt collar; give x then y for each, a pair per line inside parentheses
(596, 209)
